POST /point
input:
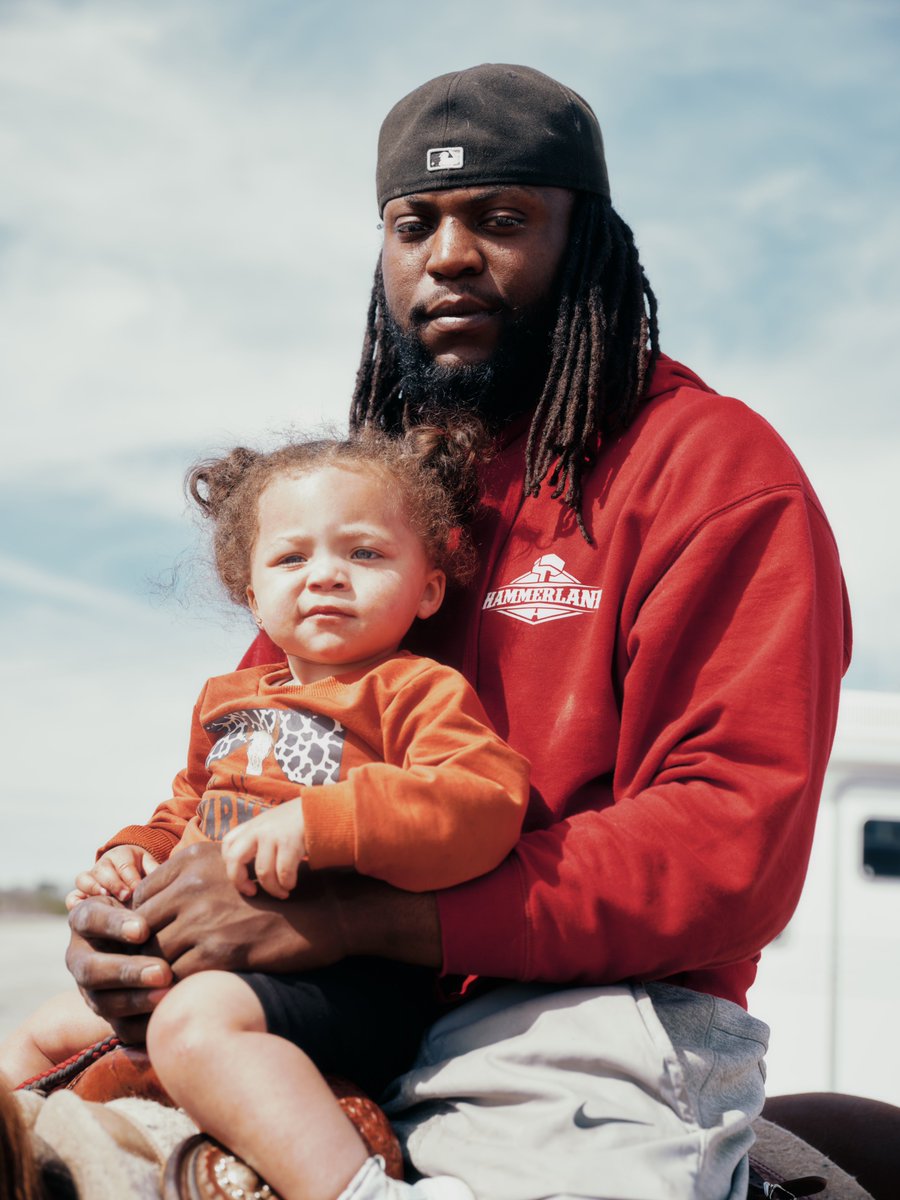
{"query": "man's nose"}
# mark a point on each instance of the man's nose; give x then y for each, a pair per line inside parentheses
(454, 250)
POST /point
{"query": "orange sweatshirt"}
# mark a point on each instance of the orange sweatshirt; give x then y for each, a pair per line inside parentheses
(400, 774)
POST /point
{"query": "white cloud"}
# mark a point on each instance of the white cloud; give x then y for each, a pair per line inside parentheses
(160, 282)
(46, 586)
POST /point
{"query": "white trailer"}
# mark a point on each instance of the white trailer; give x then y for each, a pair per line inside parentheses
(829, 986)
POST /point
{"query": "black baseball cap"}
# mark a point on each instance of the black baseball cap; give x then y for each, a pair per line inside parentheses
(496, 123)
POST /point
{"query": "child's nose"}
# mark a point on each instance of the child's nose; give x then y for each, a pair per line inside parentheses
(326, 571)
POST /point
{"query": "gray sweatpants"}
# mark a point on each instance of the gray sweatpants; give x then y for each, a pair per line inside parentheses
(614, 1093)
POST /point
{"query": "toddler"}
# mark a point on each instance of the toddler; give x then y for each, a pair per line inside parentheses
(355, 754)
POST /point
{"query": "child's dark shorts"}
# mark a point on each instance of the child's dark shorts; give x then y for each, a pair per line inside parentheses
(361, 1018)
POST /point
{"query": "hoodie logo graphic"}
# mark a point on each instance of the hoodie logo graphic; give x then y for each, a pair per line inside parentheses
(545, 593)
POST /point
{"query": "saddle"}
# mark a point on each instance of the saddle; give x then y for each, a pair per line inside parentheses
(199, 1168)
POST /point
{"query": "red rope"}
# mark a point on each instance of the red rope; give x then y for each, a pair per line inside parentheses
(66, 1071)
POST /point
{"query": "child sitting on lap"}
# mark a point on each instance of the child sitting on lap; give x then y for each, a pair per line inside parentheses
(354, 754)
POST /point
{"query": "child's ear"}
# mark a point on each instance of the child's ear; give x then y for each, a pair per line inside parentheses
(251, 604)
(432, 594)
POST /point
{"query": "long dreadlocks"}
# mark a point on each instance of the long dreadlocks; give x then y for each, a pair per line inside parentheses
(602, 350)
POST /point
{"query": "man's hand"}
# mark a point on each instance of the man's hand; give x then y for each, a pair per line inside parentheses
(188, 917)
(117, 982)
(202, 922)
(274, 842)
(116, 873)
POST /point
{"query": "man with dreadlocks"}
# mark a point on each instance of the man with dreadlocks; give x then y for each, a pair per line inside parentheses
(659, 625)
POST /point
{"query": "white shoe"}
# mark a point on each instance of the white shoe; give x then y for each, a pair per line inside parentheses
(371, 1183)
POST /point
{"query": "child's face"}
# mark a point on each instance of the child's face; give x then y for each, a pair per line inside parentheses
(337, 576)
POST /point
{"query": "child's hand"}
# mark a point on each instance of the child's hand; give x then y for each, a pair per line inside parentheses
(116, 873)
(274, 842)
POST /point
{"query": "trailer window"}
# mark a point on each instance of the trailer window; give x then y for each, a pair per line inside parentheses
(881, 848)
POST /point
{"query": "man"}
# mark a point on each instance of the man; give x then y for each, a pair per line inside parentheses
(659, 625)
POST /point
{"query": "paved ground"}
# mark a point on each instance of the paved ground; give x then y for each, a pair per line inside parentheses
(31, 965)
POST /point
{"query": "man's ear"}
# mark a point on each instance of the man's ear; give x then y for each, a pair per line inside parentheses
(251, 604)
(432, 594)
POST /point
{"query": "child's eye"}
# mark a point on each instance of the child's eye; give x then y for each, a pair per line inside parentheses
(364, 553)
(292, 560)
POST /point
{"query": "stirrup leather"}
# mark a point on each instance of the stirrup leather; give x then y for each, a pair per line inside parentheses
(789, 1189)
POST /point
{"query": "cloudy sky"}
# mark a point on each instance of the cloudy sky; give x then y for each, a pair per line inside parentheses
(187, 236)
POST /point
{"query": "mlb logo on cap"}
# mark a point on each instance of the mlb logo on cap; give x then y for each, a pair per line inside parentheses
(444, 158)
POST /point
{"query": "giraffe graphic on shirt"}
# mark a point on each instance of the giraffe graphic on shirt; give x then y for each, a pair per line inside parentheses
(307, 746)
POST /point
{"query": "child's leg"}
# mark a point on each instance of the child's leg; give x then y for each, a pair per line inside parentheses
(258, 1094)
(58, 1029)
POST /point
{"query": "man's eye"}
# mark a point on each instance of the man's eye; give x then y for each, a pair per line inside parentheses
(365, 554)
(504, 221)
(410, 227)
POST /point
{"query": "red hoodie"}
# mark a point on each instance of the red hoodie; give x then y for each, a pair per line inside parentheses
(675, 687)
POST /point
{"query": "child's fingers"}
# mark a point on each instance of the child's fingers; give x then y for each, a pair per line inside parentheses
(238, 849)
(127, 870)
(148, 863)
(236, 870)
(287, 861)
(107, 875)
(239, 843)
(74, 897)
(237, 854)
(264, 864)
(87, 883)
(274, 888)
(247, 886)
(266, 874)
(239, 875)
(119, 870)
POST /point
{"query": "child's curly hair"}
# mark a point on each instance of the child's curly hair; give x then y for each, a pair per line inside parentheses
(434, 471)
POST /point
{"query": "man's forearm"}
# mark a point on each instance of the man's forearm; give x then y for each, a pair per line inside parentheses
(201, 921)
(377, 919)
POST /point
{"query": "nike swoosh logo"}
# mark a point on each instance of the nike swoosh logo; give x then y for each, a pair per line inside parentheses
(583, 1121)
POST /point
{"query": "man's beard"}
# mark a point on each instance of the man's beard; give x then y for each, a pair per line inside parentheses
(498, 390)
